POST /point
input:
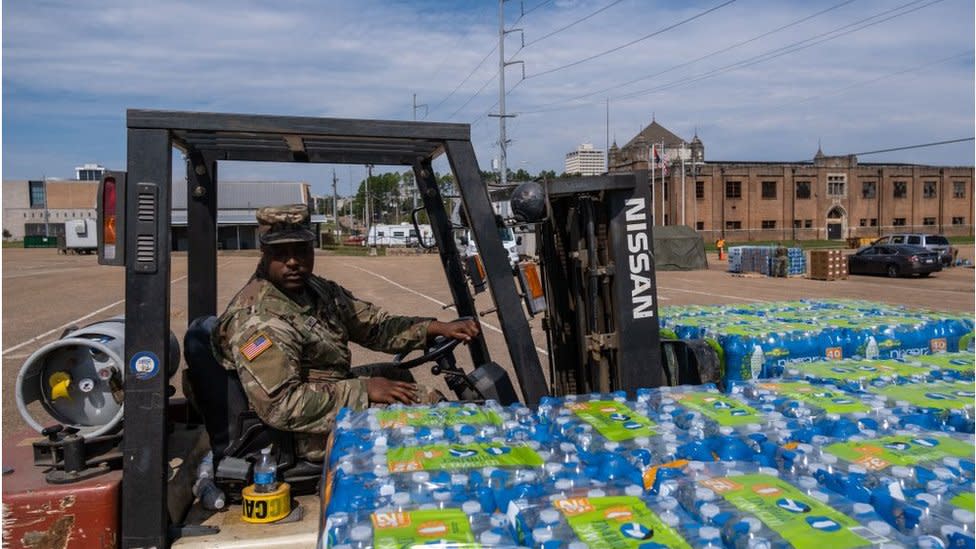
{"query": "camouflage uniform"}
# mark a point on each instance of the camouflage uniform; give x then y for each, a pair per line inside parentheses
(293, 357)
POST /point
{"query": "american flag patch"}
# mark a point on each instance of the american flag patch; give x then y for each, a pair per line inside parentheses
(255, 346)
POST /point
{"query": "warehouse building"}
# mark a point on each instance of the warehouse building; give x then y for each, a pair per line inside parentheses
(827, 198)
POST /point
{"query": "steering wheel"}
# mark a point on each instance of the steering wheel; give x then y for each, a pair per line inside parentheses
(441, 347)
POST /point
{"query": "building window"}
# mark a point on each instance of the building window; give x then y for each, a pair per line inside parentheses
(37, 195)
(733, 225)
(836, 185)
(900, 189)
(700, 190)
(863, 222)
(733, 189)
(802, 190)
(928, 221)
(929, 189)
(958, 189)
(699, 225)
(807, 223)
(869, 189)
(768, 223)
(898, 222)
(769, 190)
(958, 220)
(797, 223)
(874, 222)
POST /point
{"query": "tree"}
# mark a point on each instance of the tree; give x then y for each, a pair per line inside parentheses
(383, 193)
(521, 175)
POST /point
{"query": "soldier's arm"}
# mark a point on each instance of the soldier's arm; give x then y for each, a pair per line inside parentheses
(267, 353)
(378, 330)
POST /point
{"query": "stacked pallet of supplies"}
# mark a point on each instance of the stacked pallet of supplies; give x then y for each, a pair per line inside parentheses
(828, 265)
(761, 259)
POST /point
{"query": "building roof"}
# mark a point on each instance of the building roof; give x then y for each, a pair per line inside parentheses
(656, 133)
(250, 195)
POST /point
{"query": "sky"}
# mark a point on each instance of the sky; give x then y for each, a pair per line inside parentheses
(763, 80)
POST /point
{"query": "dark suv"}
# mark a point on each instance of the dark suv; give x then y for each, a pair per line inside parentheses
(932, 242)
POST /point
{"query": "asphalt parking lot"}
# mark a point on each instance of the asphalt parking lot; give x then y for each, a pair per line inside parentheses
(44, 292)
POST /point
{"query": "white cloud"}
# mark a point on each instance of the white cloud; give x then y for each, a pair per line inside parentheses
(71, 70)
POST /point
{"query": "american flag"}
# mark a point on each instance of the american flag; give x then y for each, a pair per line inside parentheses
(257, 345)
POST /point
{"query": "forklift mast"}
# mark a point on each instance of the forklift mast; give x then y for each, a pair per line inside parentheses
(601, 288)
(142, 212)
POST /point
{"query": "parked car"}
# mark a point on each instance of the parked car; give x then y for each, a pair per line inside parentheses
(894, 260)
(931, 242)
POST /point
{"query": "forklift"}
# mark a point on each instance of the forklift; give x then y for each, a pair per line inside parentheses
(597, 293)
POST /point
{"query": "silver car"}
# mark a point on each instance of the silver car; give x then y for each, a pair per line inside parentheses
(932, 242)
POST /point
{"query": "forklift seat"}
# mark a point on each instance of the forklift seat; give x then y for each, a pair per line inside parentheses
(234, 429)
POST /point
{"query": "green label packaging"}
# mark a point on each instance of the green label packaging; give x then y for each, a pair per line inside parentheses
(723, 410)
(866, 370)
(447, 457)
(965, 500)
(943, 395)
(621, 522)
(881, 453)
(612, 419)
(801, 520)
(442, 527)
(833, 402)
(437, 417)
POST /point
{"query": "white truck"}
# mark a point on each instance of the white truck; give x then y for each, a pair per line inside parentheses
(79, 237)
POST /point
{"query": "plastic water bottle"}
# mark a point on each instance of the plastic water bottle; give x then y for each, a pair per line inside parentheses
(265, 473)
(211, 497)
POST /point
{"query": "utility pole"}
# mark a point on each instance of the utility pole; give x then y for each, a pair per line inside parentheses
(335, 203)
(502, 115)
(416, 106)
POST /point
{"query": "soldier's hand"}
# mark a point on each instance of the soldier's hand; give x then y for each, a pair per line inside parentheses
(387, 391)
(464, 330)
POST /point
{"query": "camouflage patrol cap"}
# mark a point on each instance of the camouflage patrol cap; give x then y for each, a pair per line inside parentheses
(283, 224)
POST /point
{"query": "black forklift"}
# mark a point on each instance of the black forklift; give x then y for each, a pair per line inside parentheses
(596, 264)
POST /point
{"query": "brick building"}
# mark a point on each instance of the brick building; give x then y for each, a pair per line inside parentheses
(830, 197)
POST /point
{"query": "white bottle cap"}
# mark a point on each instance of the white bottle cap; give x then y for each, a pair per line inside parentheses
(401, 498)
(755, 524)
(862, 508)
(459, 479)
(668, 503)
(379, 442)
(633, 490)
(854, 468)
(821, 496)
(829, 459)
(771, 471)
(936, 487)
(361, 533)
(564, 484)
(552, 468)
(442, 495)
(696, 465)
(427, 507)
(567, 448)
(346, 467)
(642, 442)
(879, 527)
(596, 493)
(379, 460)
(541, 535)
(387, 490)
(549, 516)
(471, 507)
(420, 477)
(726, 430)
(669, 518)
(611, 446)
(709, 511)
(704, 494)
(943, 473)
(490, 538)
(669, 437)
(408, 431)
(928, 499)
(708, 532)
(807, 483)
(900, 471)
(963, 516)
(578, 545)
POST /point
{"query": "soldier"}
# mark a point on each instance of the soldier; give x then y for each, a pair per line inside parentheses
(286, 333)
(782, 261)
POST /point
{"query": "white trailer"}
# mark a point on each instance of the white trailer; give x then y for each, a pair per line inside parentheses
(79, 236)
(403, 234)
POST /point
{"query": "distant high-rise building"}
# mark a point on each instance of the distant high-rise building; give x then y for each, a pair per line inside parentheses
(586, 160)
(89, 172)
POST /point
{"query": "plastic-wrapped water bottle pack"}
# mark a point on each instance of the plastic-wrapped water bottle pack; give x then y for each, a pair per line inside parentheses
(773, 463)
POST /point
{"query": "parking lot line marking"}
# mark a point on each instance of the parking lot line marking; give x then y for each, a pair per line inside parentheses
(429, 298)
(710, 294)
(71, 322)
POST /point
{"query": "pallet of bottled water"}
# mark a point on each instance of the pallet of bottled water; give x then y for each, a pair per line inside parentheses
(763, 340)
(790, 462)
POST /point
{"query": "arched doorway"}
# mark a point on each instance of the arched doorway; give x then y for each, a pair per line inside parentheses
(836, 220)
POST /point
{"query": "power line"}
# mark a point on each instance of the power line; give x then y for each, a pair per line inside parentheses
(537, 6)
(476, 94)
(470, 74)
(923, 145)
(632, 42)
(696, 60)
(574, 23)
